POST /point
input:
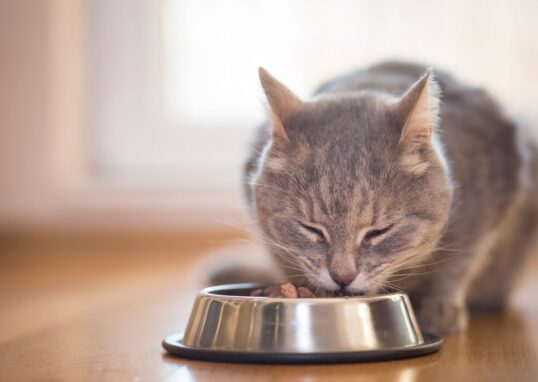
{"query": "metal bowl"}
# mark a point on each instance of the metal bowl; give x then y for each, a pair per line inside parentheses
(226, 324)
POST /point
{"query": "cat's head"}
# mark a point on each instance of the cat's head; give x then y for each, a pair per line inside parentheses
(351, 188)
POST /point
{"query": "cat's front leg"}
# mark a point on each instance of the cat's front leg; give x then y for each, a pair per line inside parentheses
(439, 299)
(441, 314)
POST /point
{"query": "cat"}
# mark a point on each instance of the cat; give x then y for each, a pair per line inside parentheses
(378, 184)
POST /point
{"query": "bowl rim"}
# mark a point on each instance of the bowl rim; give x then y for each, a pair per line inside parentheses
(174, 345)
(211, 292)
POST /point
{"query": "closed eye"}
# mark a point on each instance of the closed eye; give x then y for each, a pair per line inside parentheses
(376, 233)
(314, 232)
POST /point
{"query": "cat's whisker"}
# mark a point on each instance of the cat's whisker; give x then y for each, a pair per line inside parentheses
(390, 285)
(417, 256)
(309, 267)
(424, 264)
(295, 275)
(291, 266)
(444, 249)
(245, 229)
(309, 284)
(278, 246)
(288, 260)
(287, 257)
(409, 266)
(318, 286)
(398, 273)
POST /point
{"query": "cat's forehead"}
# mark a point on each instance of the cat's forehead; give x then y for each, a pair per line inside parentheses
(336, 141)
(358, 118)
(365, 105)
(347, 133)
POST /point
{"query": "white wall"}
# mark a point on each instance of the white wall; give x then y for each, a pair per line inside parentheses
(178, 90)
(62, 166)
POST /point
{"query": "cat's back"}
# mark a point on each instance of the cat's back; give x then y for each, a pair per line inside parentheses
(395, 78)
(392, 77)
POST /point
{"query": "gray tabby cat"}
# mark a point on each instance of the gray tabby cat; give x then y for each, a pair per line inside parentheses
(374, 185)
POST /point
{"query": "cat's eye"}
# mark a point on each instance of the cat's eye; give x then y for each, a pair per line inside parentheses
(314, 232)
(375, 233)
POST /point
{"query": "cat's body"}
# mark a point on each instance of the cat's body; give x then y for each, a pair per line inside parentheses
(471, 181)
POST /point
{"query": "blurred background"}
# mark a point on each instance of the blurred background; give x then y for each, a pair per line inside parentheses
(123, 128)
(137, 114)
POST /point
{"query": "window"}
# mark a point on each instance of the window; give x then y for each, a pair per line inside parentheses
(174, 89)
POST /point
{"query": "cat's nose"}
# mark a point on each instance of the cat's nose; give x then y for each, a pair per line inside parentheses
(343, 277)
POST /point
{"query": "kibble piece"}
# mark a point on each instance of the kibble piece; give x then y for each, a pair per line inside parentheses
(272, 291)
(257, 292)
(303, 292)
(288, 290)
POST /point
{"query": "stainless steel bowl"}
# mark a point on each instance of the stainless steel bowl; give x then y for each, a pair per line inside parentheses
(228, 325)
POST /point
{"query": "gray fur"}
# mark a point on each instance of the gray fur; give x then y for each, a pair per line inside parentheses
(340, 168)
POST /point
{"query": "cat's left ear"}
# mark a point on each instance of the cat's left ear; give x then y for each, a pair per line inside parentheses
(283, 102)
(418, 109)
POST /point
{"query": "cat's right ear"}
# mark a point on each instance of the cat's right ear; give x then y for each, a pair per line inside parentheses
(418, 110)
(284, 104)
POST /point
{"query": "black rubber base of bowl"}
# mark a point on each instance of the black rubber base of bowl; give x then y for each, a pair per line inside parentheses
(173, 344)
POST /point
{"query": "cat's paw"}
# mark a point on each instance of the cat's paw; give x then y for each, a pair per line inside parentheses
(442, 316)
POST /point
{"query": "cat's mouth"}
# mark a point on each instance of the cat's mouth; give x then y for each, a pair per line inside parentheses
(344, 292)
(350, 293)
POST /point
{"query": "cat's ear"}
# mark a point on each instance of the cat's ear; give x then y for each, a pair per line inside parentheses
(418, 110)
(284, 104)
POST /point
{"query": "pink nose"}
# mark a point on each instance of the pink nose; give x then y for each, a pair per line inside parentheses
(343, 277)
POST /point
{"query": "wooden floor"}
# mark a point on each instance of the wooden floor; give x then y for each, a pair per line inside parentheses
(96, 309)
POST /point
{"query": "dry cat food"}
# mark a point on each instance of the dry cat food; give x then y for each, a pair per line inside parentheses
(287, 290)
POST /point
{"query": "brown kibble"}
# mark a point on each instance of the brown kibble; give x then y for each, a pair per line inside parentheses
(272, 291)
(305, 293)
(257, 292)
(288, 290)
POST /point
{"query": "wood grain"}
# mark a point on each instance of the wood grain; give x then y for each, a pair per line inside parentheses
(96, 309)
